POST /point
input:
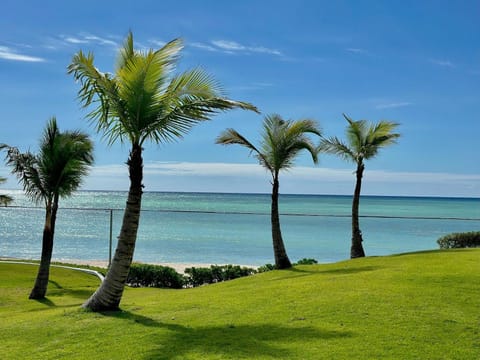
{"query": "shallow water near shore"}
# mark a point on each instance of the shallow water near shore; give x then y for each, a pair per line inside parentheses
(234, 228)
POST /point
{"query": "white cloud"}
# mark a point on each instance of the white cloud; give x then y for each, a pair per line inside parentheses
(86, 38)
(252, 87)
(74, 40)
(228, 177)
(393, 105)
(233, 47)
(443, 63)
(100, 40)
(356, 50)
(7, 53)
(252, 178)
(228, 45)
(204, 46)
(158, 43)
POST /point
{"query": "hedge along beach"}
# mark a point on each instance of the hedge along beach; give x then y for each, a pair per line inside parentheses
(191, 229)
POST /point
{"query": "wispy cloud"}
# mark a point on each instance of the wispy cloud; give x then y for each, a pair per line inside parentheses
(7, 53)
(356, 50)
(443, 63)
(159, 43)
(393, 105)
(231, 177)
(204, 46)
(74, 40)
(86, 38)
(233, 47)
(252, 87)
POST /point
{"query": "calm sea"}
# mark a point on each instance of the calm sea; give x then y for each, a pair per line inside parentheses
(234, 228)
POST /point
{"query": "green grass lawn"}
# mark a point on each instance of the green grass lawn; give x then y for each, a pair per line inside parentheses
(412, 306)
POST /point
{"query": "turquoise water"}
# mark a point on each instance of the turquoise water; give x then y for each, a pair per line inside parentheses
(234, 228)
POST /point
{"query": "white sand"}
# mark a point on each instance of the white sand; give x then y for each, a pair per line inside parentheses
(179, 267)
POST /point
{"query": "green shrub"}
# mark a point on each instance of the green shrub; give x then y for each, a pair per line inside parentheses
(215, 273)
(460, 240)
(265, 268)
(146, 275)
(198, 276)
(306, 261)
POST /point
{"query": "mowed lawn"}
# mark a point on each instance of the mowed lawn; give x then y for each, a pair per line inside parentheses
(411, 306)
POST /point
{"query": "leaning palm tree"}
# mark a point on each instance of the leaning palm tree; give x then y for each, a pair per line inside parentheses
(5, 200)
(56, 171)
(364, 140)
(281, 143)
(142, 101)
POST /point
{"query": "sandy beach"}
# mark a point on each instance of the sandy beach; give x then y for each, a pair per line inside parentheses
(179, 267)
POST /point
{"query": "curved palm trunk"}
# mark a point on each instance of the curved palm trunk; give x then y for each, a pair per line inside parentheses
(357, 248)
(281, 259)
(109, 294)
(40, 288)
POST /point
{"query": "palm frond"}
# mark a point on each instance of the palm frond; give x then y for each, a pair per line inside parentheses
(356, 132)
(281, 141)
(24, 167)
(100, 90)
(302, 143)
(126, 52)
(175, 122)
(335, 146)
(364, 139)
(231, 136)
(284, 139)
(59, 167)
(142, 100)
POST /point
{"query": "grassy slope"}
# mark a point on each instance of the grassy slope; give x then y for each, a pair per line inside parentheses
(423, 305)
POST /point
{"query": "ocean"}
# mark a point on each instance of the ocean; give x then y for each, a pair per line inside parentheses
(206, 228)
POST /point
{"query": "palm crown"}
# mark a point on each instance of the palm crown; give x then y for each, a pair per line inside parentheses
(4, 199)
(364, 140)
(282, 140)
(142, 100)
(58, 168)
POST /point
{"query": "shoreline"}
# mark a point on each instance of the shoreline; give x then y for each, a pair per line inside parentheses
(179, 267)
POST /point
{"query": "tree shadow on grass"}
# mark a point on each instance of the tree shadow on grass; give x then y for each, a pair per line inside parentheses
(45, 301)
(300, 272)
(55, 289)
(228, 341)
(75, 293)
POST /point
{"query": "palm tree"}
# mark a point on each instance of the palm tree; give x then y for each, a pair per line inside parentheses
(364, 140)
(56, 171)
(5, 200)
(142, 101)
(281, 143)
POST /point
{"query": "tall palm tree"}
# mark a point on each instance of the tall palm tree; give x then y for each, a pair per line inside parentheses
(142, 101)
(364, 140)
(56, 171)
(5, 200)
(281, 143)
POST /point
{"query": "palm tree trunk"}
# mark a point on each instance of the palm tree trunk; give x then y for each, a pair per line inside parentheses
(109, 294)
(281, 259)
(357, 248)
(40, 288)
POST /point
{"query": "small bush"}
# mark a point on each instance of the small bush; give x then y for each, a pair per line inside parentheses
(198, 276)
(215, 273)
(146, 275)
(460, 240)
(306, 261)
(265, 268)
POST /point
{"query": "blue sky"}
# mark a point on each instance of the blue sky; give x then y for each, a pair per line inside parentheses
(413, 62)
